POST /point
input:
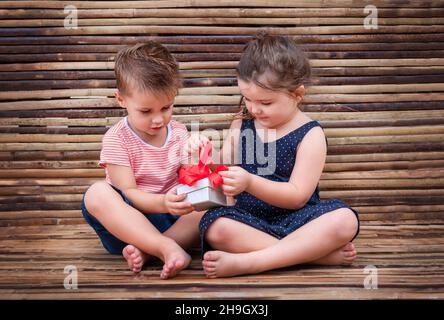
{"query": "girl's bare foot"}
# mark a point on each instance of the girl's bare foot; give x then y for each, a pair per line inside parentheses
(135, 258)
(174, 261)
(218, 264)
(342, 256)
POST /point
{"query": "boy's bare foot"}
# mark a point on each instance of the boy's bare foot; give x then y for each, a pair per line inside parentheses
(134, 257)
(217, 264)
(342, 256)
(175, 261)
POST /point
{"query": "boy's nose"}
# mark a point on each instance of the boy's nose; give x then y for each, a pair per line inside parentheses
(158, 120)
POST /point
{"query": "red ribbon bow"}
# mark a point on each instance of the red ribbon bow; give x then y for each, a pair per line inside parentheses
(190, 174)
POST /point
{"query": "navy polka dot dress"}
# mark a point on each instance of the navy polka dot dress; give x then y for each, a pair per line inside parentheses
(278, 222)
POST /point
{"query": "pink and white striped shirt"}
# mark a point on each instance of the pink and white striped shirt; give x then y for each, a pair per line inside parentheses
(155, 168)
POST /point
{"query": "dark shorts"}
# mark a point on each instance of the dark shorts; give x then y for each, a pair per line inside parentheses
(162, 221)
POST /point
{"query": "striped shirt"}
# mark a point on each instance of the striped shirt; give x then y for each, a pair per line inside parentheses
(155, 168)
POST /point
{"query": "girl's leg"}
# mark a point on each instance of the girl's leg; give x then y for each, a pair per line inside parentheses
(229, 235)
(130, 226)
(309, 243)
(232, 236)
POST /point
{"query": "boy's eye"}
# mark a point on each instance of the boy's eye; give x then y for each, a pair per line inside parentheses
(166, 108)
(145, 111)
(266, 103)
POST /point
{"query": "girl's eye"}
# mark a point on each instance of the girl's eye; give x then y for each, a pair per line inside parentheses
(266, 104)
(166, 108)
(146, 111)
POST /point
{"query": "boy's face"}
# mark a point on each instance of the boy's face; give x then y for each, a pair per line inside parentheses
(148, 114)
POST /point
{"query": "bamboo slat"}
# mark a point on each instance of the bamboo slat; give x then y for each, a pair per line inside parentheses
(212, 3)
(225, 12)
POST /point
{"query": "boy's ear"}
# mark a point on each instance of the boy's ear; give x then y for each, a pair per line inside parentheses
(120, 99)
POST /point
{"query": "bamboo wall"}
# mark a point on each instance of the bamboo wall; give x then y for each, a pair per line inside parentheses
(377, 92)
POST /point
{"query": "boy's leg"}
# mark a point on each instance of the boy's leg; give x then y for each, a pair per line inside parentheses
(311, 242)
(185, 231)
(129, 225)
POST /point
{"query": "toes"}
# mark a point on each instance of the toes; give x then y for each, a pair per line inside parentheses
(348, 254)
(206, 263)
(164, 274)
(210, 256)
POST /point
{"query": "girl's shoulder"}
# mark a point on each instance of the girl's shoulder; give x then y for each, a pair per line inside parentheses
(236, 124)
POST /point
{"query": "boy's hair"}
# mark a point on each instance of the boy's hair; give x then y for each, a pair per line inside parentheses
(147, 67)
(274, 62)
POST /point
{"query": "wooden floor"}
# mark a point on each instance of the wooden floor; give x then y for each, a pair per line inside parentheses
(409, 261)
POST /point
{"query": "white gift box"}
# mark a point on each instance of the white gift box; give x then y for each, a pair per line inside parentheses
(203, 195)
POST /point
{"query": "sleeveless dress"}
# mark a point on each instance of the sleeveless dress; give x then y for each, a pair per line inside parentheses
(278, 222)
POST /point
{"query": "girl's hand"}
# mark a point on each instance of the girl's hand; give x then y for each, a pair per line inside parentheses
(174, 203)
(236, 180)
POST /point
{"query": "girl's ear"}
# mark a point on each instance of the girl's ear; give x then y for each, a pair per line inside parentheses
(120, 99)
(299, 93)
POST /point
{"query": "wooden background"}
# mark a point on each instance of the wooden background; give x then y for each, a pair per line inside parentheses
(378, 93)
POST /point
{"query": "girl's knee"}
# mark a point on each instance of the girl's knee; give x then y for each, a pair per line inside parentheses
(218, 231)
(346, 224)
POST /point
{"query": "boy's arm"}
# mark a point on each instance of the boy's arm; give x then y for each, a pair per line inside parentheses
(305, 176)
(122, 178)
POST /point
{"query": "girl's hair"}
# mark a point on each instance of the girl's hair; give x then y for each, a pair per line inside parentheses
(273, 62)
(147, 67)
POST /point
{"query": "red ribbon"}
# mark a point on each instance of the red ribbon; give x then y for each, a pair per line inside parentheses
(190, 174)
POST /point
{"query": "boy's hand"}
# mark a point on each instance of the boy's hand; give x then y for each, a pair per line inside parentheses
(175, 205)
(236, 180)
(194, 143)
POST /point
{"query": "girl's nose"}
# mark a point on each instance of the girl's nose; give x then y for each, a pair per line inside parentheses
(255, 109)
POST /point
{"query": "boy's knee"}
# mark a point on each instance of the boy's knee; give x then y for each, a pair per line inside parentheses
(347, 224)
(218, 231)
(96, 195)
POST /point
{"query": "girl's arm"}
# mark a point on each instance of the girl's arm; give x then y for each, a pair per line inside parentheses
(304, 178)
(311, 155)
(122, 178)
(228, 153)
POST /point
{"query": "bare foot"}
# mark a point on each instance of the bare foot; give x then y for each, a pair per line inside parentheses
(342, 256)
(218, 264)
(174, 261)
(134, 257)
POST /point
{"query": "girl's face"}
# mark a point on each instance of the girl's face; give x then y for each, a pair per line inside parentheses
(148, 114)
(270, 108)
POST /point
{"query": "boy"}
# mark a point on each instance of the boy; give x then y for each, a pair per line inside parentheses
(136, 212)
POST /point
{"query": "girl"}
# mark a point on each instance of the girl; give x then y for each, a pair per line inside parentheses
(278, 219)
